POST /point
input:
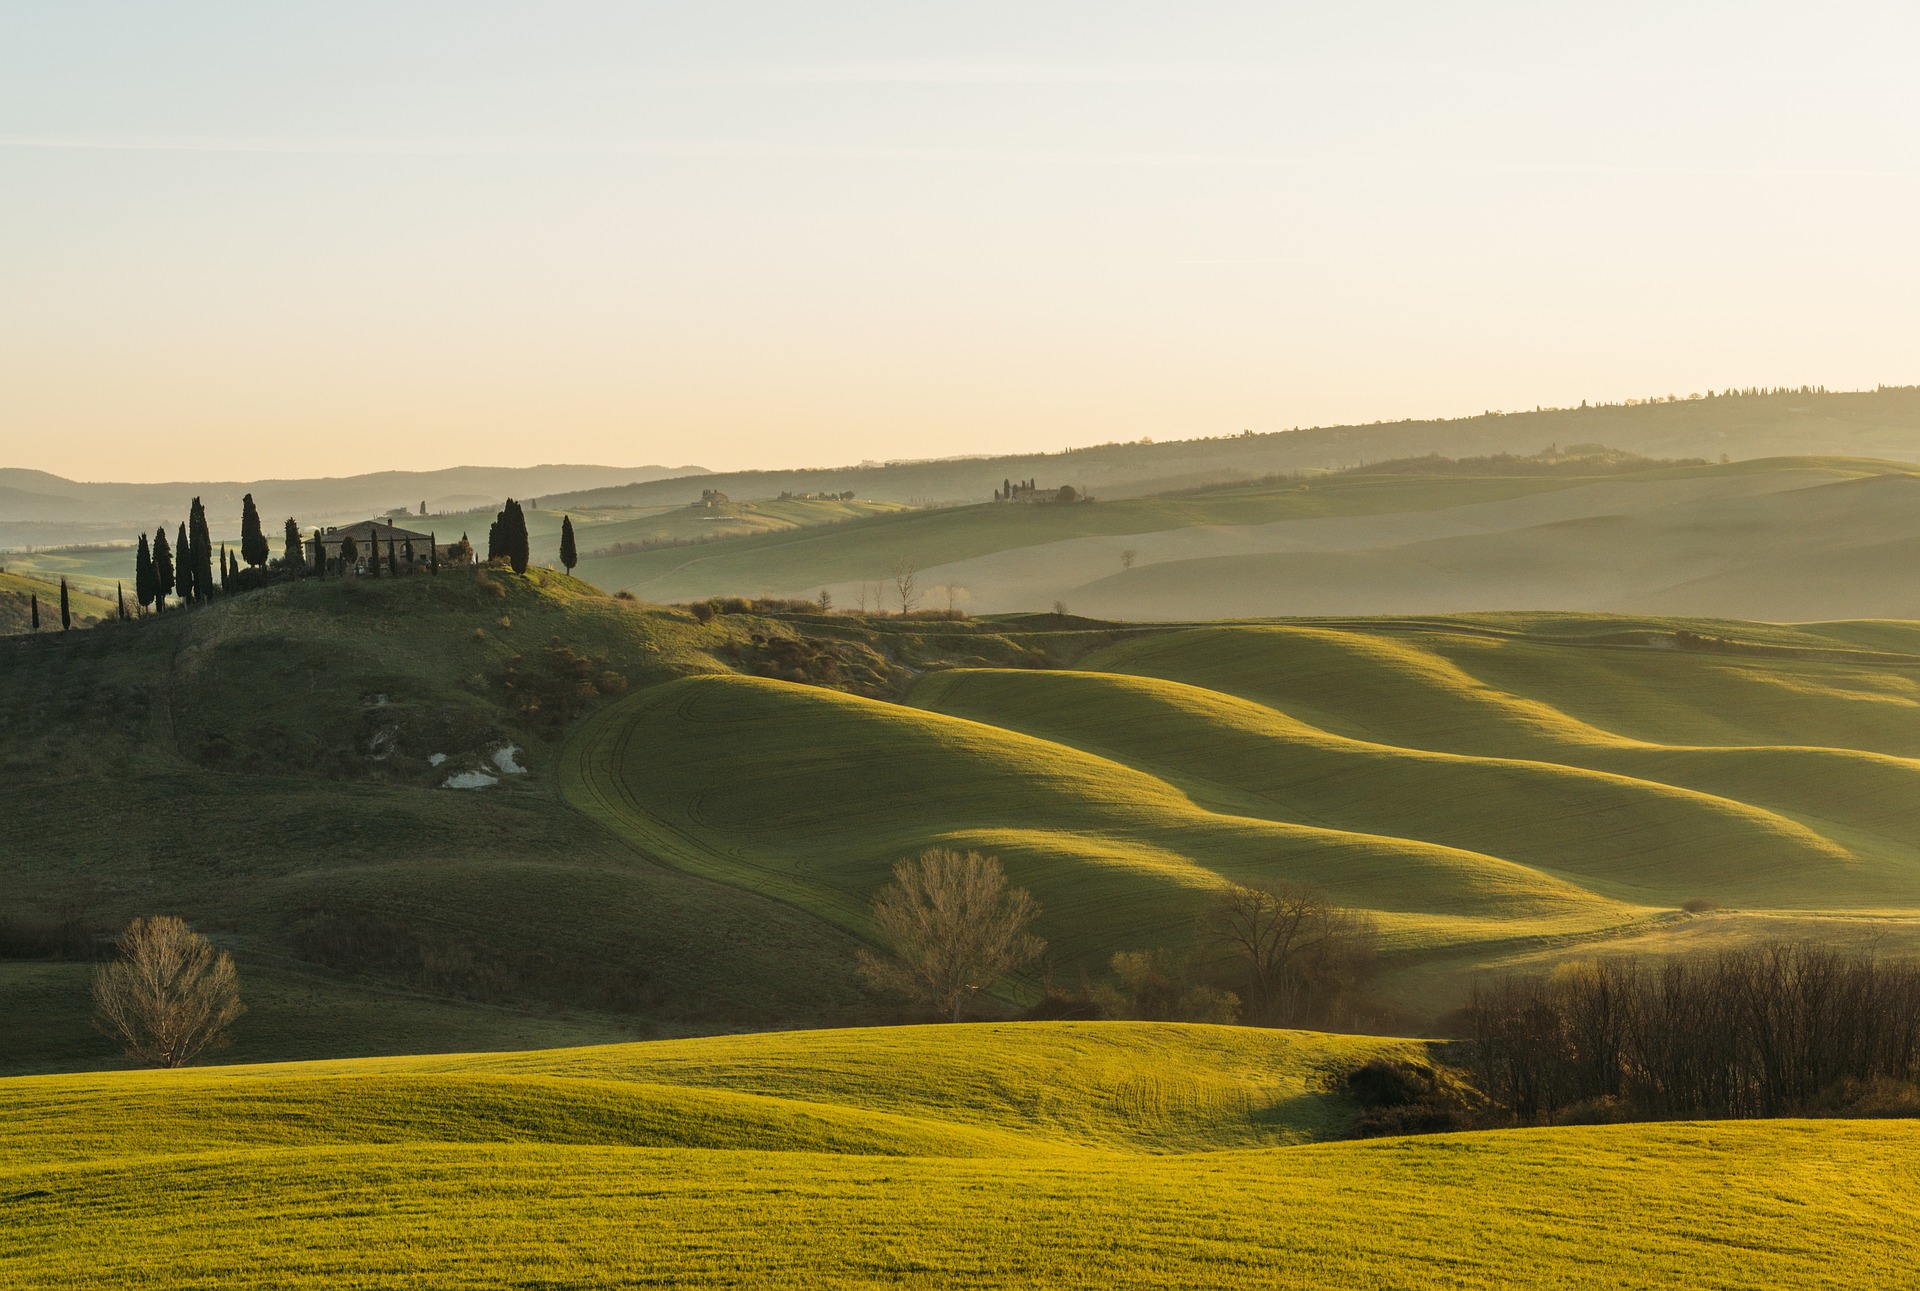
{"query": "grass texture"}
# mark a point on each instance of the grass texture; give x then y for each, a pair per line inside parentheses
(1060, 1155)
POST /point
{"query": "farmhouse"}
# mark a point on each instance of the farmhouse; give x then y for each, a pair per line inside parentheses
(1026, 491)
(389, 538)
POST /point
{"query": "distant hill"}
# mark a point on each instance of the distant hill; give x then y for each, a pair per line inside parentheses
(1778, 539)
(1880, 423)
(45, 510)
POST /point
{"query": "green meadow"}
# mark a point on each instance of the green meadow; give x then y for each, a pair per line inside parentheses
(1055, 1154)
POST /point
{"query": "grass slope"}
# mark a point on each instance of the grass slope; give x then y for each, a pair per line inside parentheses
(17, 590)
(1487, 786)
(1072, 1155)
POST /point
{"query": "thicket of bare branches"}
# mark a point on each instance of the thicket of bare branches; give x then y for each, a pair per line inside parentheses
(1298, 956)
(1767, 1031)
(953, 928)
(170, 996)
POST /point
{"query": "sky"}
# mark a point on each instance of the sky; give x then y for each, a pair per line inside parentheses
(242, 240)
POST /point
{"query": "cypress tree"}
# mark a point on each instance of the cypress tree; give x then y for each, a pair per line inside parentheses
(406, 550)
(433, 554)
(66, 612)
(349, 552)
(202, 551)
(294, 562)
(393, 559)
(120, 594)
(253, 541)
(34, 603)
(162, 570)
(143, 582)
(226, 571)
(373, 554)
(493, 540)
(519, 552)
(183, 568)
(569, 554)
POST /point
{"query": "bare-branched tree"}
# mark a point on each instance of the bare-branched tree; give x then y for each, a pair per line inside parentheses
(952, 928)
(904, 575)
(1297, 951)
(170, 996)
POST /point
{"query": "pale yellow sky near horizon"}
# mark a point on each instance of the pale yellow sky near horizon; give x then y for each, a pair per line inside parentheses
(244, 241)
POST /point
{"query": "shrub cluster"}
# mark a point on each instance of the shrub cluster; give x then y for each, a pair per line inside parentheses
(1770, 1031)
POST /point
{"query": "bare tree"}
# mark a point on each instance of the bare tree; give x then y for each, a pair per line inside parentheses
(862, 600)
(826, 601)
(952, 927)
(904, 575)
(1298, 952)
(170, 996)
(956, 595)
(1127, 558)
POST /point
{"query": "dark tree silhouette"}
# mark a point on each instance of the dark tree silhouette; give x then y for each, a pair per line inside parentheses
(293, 560)
(143, 581)
(183, 567)
(349, 552)
(433, 554)
(66, 611)
(226, 571)
(34, 609)
(569, 554)
(120, 595)
(202, 551)
(393, 559)
(162, 569)
(508, 537)
(253, 541)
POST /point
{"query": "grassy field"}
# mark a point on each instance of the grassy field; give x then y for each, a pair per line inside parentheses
(17, 590)
(1072, 1155)
(1486, 786)
(670, 837)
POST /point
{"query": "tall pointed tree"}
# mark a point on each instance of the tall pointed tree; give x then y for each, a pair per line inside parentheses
(143, 582)
(292, 561)
(433, 554)
(66, 610)
(202, 551)
(183, 567)
(393, 558)
(33, 609)
(162, 570)
(349, 553)
(253, 540)
(569, 554)
(120, 595)
(226, 571)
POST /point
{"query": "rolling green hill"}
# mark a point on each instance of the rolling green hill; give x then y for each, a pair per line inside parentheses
(993, 1156)
(1485, 786)
(18, 589)
(499, 811)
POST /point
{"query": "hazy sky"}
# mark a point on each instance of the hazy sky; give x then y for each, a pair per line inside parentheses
(245, 239)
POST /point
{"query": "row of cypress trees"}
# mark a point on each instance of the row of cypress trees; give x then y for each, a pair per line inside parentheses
(185, 567)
